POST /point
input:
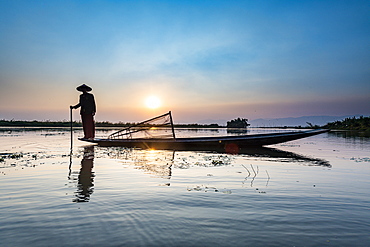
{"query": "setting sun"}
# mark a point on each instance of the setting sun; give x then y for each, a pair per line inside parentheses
(153, 102)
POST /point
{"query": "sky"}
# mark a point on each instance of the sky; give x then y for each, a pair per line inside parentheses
(202, 59)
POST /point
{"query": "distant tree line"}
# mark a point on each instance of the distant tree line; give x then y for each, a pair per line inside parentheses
(238, 123)
(198, 126)
(34, 123)
(361, 124)
(47, 123)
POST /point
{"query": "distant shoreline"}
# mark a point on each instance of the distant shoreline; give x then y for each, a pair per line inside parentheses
(51, 124)
(78, 124)
(352, 124)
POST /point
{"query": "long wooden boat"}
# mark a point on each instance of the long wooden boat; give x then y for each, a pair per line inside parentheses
(148, 137)
(226, 142)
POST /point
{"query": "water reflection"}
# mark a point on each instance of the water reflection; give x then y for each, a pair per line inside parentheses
(85, 186)
(154, 162)
(237, 131)
(277, 155)
(161, 162)
(359, 135)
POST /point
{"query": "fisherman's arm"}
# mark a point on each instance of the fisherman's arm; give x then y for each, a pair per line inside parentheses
(76, 106)
(94, 105)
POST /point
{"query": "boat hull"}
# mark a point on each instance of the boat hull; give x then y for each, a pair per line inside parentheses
(223, 142)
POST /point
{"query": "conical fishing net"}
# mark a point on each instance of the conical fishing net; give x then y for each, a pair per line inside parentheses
(158, 127)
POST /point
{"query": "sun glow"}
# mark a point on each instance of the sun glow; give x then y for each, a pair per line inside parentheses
(153, 102)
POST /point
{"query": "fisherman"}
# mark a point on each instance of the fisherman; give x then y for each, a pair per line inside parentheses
(88, 109)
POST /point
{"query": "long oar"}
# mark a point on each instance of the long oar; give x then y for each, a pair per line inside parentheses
(71, 151)
(71, 128)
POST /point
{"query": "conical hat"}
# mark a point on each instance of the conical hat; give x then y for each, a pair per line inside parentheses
(84, 87)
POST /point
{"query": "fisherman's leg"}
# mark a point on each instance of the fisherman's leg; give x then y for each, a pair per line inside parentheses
(93, 127)
(85, 126)
(90, 126)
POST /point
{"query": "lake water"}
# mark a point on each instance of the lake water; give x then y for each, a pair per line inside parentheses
(310, 192)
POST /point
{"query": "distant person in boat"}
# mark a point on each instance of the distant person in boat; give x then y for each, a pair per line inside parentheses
(88, 109)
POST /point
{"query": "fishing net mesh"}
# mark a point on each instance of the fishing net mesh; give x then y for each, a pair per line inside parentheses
(158, 127)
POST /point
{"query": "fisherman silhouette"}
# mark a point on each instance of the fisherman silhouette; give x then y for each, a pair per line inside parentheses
(88, 109)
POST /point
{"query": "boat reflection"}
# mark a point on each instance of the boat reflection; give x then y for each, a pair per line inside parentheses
(269, 154)
(161, 162)
(277, 155)
(85, 181)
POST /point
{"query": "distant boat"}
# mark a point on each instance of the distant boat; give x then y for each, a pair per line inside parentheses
(159, 133)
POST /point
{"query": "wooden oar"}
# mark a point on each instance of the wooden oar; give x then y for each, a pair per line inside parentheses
(71, 150)
(71, 128)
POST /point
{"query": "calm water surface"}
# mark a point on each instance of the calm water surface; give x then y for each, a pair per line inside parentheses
(309, 192)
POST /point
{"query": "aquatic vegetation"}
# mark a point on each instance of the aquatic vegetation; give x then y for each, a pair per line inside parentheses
(203, 160)
(15, 156)
(208, 189)
(254, 175)
(365, 159)
(31, 159)
(217, 162)
(260, 191)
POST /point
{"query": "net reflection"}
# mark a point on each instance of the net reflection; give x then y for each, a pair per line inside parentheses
(154, 162)
(85, 184)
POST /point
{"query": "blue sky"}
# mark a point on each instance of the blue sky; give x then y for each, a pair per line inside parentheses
(202, 59)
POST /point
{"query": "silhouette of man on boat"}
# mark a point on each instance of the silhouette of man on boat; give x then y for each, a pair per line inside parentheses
(88, 110)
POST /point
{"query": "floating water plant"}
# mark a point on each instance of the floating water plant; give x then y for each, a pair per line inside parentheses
(15, 156)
